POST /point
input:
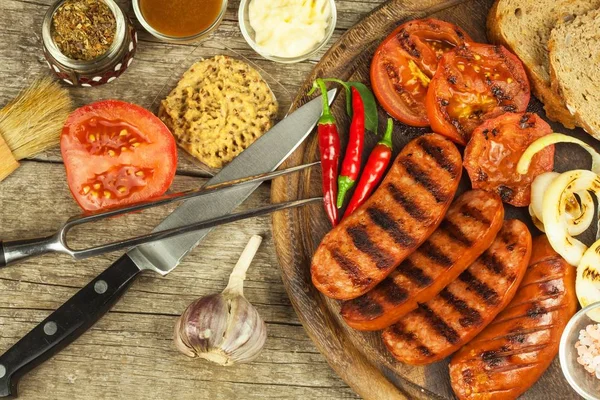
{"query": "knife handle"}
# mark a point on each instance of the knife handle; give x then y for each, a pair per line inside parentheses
(65, 324)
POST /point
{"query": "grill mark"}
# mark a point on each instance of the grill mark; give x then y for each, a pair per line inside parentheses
(363, 243)
(421, 177)
(393, 293)
(352, 270)
(409, 337)
(414, 273)
(367, 306)
(437, 153)
(492, 263)
(436, 255)
(475, 213)
(393, 228)
(438, 324)
(486, 293)
(454, 232)
(516, 334)
(526, 315)
(408, 204)
(470, 316)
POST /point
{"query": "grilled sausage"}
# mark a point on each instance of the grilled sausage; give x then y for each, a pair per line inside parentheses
(511, 354)
(470, 226)
(410, 203)
(461, 310)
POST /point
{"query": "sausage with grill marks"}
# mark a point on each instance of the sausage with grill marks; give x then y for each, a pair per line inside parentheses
(462, 309)
(408, 206)
(475, 217)
(511, 354)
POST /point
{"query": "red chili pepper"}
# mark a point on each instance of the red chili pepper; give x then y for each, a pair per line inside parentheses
(379, 159)
(356, 141)
(329, 148)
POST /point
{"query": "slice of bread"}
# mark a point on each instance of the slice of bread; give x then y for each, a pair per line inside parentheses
(524, 27)
(575, 68)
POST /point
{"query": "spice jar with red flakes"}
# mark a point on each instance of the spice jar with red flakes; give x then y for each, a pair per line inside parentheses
(88, 42)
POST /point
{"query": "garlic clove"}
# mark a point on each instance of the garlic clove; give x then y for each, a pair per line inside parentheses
(224, 328)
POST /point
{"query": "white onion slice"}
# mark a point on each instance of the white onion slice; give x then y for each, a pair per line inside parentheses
(553, 138)
(587, 284)
(578, 217)
(557, 200)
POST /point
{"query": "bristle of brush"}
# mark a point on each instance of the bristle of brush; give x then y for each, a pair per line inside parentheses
(8, 163)
(32, 122)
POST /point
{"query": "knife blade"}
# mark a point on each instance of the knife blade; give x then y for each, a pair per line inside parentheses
(88, 305)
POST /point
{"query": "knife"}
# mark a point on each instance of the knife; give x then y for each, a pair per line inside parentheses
(88, 305)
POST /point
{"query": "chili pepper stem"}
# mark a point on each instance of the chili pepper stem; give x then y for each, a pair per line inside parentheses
(387, 137)
(344, 185)
(326, 116)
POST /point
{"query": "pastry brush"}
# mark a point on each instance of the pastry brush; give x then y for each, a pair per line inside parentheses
(32, 122)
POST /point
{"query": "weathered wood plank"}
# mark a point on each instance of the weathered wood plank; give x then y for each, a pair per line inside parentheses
(129, 353)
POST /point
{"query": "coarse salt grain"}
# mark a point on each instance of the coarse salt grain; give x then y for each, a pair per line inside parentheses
(588, 349)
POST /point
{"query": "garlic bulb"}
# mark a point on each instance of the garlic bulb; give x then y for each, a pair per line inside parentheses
(224, 328)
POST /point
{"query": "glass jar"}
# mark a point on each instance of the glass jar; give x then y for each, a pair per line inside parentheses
(100, 70)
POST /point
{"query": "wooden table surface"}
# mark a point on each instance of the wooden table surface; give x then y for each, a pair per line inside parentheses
(130, 354)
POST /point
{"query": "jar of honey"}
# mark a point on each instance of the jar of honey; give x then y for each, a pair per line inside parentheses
(180, 20)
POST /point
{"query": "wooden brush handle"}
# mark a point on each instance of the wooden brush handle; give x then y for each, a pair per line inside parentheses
(8, 163)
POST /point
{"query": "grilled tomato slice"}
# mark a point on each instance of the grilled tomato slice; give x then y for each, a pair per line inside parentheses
(473, 83)
(494, 150)
(405, 62)
(116, 153)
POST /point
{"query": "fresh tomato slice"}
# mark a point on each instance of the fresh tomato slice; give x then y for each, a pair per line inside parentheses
(116, 153)
(405, 62)
(494, 150)
(473, 83)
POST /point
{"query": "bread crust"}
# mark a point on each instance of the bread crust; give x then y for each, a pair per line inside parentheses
(554, 105)
(558, 89)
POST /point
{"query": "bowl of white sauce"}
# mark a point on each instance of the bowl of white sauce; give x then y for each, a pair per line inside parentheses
(287, 31)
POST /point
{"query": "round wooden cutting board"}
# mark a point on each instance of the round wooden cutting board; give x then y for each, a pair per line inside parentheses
(360, 358)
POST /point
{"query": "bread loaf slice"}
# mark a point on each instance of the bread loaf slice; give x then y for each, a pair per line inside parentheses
(524, 27)
(575, 68)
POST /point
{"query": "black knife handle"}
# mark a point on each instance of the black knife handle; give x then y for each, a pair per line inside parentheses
(65, 324)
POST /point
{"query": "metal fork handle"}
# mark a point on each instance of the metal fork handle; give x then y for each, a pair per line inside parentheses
(20, 250)
(14, 251)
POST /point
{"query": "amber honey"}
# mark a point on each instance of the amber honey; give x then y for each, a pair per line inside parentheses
(180, 18)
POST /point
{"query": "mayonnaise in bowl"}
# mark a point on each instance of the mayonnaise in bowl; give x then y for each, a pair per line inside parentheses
(289, 28)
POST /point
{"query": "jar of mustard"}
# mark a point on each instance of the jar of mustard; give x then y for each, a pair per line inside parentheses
(88, 42)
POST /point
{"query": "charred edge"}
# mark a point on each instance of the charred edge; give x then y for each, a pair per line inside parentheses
(352, 270)
(493, 358)
(437, 153)
(364, 244)
(393, 293)
(506, 193)
(509, 238)
(395, 79)
(536, 311)
(454, 232)
(393, 228)
(409, 337)
(407, 44)
(438, 324)
(492, 263)
(422, 178)
(409, 206)
(470, 316)
(486, 293)
(474, 213)
(414, 274)
(468, 376)
(436, 255)
(367, 306)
